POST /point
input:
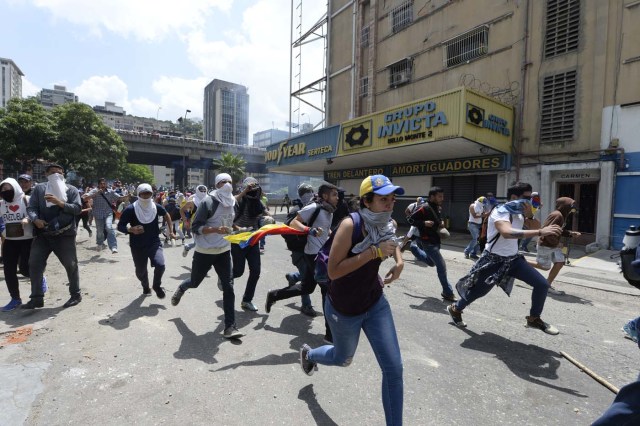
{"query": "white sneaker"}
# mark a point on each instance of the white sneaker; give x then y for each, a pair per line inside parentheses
(114, 250)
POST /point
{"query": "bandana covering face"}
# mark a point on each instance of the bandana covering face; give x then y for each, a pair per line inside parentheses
(224, 195)
(56, 187)
(145, 209)
(201, 192)
(378, 226)
(305, 198)
(514, 207)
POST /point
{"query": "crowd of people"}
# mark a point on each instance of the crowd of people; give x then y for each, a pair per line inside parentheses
(357, 235)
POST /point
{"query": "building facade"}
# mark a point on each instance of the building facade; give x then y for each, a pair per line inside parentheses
(226, 113)
(567, 69)
(11, 81)
(50, 98)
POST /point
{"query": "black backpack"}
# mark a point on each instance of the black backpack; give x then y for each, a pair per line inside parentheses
(297, 242)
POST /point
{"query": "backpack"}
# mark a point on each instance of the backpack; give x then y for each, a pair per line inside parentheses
(173, 210)
(298, 242)
(321, 272)
(482, 236)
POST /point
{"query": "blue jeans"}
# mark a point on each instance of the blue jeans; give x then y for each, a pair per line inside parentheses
(252, 255)
(472, 247)
(101, 225)
(221, 263)
(380, 330)
(297, 258)
(520, 270)
(423, 251)
(625, 408)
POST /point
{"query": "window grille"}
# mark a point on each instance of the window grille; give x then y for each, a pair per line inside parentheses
(364, 37)
(563, 22)
(400, 72)
(558, 108)
(402, 16)
(463, 48)
(364, 87)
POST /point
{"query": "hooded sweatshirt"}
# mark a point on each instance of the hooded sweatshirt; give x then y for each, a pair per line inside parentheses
(14, 212)
(557, 217)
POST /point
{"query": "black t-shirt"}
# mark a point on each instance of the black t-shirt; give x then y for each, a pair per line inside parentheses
(151, 233)
(428, 211)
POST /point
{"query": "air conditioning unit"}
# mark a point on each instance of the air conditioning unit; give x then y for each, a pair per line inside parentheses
(401, 78)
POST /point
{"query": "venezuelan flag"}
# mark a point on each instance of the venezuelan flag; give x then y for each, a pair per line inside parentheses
(245, 239)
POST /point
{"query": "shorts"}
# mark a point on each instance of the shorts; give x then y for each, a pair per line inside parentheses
(547, 256)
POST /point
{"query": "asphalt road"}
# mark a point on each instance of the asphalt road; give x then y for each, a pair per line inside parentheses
(121, 358)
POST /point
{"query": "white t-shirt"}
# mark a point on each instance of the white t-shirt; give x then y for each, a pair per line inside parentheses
(322, 221)
(478, 208)
(503, 246)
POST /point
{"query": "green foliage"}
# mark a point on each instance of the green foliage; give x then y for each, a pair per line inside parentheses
(136, 174)
(27, 132)
(190, 128)
(232, 164)
(85, 144)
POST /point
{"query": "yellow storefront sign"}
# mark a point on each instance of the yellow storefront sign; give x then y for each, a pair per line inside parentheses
(459, 113)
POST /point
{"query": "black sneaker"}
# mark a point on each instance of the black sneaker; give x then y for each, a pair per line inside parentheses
(32, 304)
(449, 297)
(474, 256)
(146, 290)
(307, 365)
(456, 316)
(175, 299)
(309, 311)
(291, 279)
(271, 300)
(159, 292)
(73, 301)
(232, 332)
(536, 322)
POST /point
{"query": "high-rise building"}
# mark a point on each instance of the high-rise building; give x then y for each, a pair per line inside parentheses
(226, 113)
(11, 81)
(50, 98)
(267, 137)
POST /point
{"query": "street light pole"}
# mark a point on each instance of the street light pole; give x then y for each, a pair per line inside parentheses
(184, 148)
(158, 112)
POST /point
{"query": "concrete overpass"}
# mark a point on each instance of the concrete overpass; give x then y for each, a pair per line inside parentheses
(176, 152)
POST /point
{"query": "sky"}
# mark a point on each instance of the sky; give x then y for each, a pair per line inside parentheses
(154, 57)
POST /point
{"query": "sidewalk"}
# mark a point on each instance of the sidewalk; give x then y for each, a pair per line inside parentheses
(597, 270)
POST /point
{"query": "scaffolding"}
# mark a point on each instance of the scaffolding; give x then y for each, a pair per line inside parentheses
(308, 83)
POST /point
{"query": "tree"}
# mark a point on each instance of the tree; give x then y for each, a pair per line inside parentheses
(232, 164)
(136, 173)
(189, 128)
(85, 144)
(27, 132)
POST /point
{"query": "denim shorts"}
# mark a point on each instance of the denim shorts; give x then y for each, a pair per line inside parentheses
(547, 256)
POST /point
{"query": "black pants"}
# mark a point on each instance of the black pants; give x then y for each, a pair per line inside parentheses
(64, 247)
(85, 222)
(252, 255)
(16, 255)
(154, 254)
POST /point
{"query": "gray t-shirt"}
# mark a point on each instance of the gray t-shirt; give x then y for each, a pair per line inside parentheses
(314, 244)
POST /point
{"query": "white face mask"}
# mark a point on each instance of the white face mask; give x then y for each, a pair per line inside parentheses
(53, 177)
(145, 202)
(226, 188)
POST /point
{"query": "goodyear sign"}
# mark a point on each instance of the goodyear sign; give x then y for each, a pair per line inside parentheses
(305, 147)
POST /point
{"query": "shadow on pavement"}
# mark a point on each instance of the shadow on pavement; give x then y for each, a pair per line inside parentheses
(122, 319)
(566, 298)
(97, 259)
(192, 346)
(20, 317)
(429, 304)
(528, 362)
(307, 395)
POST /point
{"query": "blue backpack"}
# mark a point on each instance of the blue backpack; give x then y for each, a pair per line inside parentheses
(321, 273)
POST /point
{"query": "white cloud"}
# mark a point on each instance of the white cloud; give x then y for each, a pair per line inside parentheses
(97, 89)
(29, 89)
(141, 19)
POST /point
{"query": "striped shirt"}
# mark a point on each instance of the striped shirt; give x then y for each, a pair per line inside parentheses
(102, 209)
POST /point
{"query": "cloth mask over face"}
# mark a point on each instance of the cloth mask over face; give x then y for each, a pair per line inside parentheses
(56, 187)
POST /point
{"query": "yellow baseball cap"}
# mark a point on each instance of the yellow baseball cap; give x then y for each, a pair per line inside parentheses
(379, 184)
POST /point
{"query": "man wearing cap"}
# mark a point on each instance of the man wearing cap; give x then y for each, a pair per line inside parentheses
(52, 209)
(426, 248)
(140, 221)
(212, 221)
(25, 183)
(249, 210)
